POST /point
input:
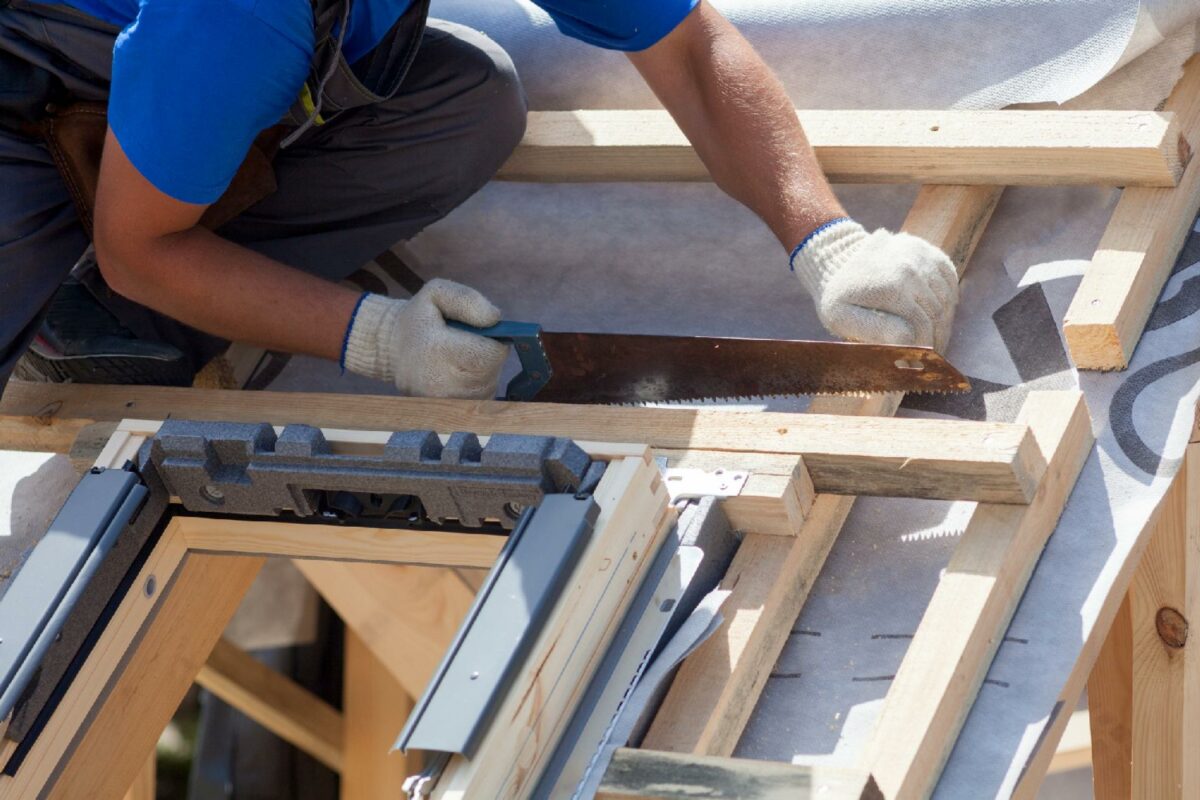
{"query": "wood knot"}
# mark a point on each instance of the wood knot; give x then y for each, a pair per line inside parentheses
(1172, 627)
(46, 414)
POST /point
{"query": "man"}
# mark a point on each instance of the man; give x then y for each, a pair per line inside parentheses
(400, 120)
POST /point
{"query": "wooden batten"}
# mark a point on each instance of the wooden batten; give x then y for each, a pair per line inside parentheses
(990, 148)
(928, 458)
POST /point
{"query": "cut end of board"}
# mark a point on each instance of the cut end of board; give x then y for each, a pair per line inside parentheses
(1094, 346)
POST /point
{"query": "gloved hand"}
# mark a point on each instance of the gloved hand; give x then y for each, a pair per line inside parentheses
(881, 287)
(409, 343)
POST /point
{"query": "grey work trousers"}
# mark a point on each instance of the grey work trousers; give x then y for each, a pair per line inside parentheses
(349, 189)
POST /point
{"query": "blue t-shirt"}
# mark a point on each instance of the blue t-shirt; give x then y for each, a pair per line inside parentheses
(194, 82)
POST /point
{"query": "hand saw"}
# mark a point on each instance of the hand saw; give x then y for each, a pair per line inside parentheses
(602, 368)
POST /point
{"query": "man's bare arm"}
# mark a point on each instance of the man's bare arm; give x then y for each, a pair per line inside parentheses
(881, 287)
(737, 115)
(150, 250)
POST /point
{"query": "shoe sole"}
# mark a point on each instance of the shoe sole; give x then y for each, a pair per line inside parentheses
(113, 369)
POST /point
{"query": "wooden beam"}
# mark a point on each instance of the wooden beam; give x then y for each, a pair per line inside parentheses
(126, 725)
(650, 775)
(953, 218)
(1110, 700)
(406, 616)
(341, 543)
(1135, 256)
(1164, 718)
(144, 786)
(274, 701)
(376, 708)
(931, 458)
(953, 647)
(1004, 148)
(41, 431)
(717, 687)
(633, 522)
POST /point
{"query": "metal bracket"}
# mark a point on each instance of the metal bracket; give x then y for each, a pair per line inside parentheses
(685, 483)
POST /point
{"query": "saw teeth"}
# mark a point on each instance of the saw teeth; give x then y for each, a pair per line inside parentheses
(765, 398)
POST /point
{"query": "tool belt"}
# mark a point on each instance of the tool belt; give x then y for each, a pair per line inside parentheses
(33, 102)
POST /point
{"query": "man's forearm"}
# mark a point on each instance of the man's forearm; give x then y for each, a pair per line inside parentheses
(737, 115)
(224, 289)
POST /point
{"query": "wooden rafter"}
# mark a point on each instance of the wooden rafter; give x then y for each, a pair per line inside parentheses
(1134, 258)
(274, 701)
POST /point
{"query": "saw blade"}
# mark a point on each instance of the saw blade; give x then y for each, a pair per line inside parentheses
(603, 368)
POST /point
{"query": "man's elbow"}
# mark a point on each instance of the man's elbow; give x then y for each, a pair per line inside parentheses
(122, 259)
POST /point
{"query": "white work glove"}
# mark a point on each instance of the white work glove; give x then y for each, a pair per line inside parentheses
(881, 287)
(408, 342)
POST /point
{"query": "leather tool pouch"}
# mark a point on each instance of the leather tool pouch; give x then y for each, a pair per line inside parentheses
(75, 138)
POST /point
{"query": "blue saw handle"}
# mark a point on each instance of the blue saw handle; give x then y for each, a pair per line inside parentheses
(526, 339)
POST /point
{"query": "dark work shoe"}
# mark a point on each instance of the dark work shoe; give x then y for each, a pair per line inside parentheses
(80, 341)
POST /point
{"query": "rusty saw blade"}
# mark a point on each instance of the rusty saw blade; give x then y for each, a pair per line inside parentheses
(633, 368)
(630, 368)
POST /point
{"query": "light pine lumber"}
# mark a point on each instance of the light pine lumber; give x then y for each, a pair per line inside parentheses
(650, 775)
(971, 607)
(1110, 705)
(634, 519)
(274, 701)
(341, 543)
(1002, 148)
(376, 708)
(1136, 254)
(127, 725)
(42, 431)
(953, 218)
(472, 578)
(932, 458)
(715, 691)
(144, 785)
(1163, 602)
(407, 616)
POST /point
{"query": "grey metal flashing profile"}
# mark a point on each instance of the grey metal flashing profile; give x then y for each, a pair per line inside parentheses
(500, 627)
(52, 580)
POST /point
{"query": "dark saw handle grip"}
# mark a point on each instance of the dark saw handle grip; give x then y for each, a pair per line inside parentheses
(526, 339)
